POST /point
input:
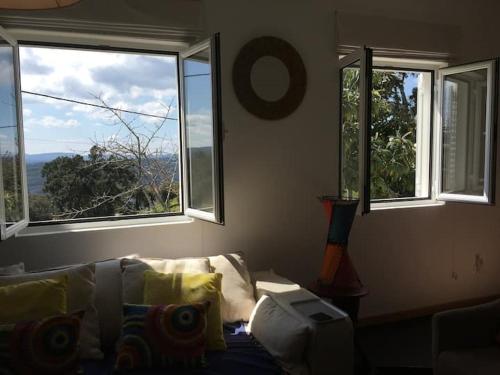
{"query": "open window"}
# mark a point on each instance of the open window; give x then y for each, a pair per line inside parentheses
(466, 136)
(13, 197)
(202, 131)
(355, 120)
(391, 155)
(136, 130)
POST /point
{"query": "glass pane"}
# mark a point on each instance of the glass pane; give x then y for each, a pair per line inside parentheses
(199, 130)
(350, 132)
(397, 96)
(101, 133)
(9, 138)
(464, 126)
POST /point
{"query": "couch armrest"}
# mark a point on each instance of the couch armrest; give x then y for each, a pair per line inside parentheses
(268, 282)
(468, 327)
(328, 347)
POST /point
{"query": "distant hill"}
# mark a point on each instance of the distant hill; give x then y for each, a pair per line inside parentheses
(46, 157)
(35, 179)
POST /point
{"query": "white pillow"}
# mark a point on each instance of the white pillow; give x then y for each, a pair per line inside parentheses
(109, 301)
(267, 282)
(237, 290)
(80, 296)
(14, 269)
(281, 333)
(133, 273)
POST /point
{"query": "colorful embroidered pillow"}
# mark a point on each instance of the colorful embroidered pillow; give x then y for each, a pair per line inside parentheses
(32, 300)
(185, 288)
(42, 347)
(80, 296)
(162, 336)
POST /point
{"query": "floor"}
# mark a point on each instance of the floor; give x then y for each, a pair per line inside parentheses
(402, 348)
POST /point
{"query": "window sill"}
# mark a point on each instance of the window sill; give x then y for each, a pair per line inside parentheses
(102, 225)
(380, 206)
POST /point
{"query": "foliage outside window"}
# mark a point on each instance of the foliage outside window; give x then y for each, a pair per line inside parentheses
(387, 137)
(393, 133)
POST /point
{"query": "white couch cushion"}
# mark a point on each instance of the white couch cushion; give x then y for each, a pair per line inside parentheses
(80, 296)
(237, 290)
(268, 282)
(284, 335)
(109, 301)
(133, 273)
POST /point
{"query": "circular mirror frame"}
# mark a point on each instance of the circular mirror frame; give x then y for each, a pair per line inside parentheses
(242, 78)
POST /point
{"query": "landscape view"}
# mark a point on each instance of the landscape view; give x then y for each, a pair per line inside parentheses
(101, 133)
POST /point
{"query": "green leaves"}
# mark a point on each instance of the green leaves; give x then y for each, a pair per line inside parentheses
(393, 134)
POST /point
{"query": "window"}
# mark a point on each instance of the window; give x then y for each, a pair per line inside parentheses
(103, 142)
(396, 130)
(13, 212)
(400, 133)
(110, 133)
(467, 132)
(202, 138)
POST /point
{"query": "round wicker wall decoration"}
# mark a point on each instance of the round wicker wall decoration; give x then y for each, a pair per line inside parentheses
(268, 46)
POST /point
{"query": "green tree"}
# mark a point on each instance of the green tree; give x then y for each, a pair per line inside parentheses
(88, 187)
(41, 208)
(126, 174)
(393, 134)
(12, 187)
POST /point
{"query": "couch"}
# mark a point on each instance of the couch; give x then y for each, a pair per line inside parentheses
(466, 341)
(280, 337)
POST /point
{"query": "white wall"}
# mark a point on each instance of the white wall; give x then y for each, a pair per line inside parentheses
(275, 170)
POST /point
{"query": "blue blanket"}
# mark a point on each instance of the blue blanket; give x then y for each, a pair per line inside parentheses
(244, 356)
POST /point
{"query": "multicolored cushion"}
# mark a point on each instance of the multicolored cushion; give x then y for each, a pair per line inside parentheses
(45, 346)
(188, 288)
(80, 295)
(162, 336)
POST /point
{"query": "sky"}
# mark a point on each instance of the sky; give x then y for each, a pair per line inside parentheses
(125, 81)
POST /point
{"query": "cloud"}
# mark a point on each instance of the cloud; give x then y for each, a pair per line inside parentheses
(6, 69)
(200, 131)
(53, 122)
(116, 77)
(145, 72)
(76, 88)
(31, 66)
(136, 82)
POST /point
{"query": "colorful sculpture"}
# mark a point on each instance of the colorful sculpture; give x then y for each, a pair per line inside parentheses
(338, 276)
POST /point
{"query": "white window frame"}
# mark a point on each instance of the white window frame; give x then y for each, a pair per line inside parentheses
(491, 96)
(212, 45)
(105, 223)
(426, 163)
(9, 231)
(364, 56)
(431, 150)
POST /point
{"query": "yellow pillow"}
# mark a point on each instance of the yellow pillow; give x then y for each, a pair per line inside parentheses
(187, 288)
(33, 300)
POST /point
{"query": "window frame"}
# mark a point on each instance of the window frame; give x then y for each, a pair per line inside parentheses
(126, 45)
(5, 231)
(365, 57)
(436, 67)
(491, 117)
(433, 72)
(217, 217)
(103, 48)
